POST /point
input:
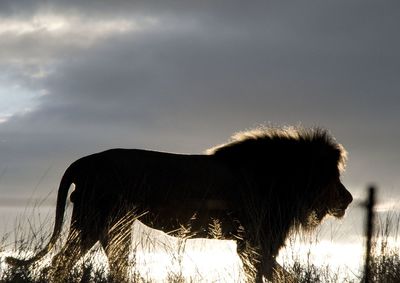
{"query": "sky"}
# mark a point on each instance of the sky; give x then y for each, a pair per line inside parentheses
(78, 77)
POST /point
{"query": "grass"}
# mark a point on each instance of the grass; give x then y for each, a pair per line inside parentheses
(29, 241)
(385, 263)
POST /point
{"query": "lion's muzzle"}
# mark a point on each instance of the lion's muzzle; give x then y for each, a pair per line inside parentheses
(344, 200)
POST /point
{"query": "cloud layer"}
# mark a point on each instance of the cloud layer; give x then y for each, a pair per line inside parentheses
(81, 76)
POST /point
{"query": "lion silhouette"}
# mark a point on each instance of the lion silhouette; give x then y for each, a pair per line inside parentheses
(264, 182)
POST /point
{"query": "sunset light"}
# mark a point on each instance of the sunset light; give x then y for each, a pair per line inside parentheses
(107, 109)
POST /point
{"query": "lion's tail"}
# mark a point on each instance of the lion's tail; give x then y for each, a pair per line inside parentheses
(66, 182)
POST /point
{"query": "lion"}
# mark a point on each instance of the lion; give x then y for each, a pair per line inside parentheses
(261, 185)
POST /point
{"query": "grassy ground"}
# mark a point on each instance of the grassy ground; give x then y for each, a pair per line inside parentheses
(385, 263)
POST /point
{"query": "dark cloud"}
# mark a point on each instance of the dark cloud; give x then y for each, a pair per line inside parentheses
(184, 76)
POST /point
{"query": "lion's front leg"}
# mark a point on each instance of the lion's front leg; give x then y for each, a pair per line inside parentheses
(261, 267)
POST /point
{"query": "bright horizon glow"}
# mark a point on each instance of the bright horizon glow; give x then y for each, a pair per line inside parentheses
(337, 256)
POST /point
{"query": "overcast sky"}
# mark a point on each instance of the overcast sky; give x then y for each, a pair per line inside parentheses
(77, 77)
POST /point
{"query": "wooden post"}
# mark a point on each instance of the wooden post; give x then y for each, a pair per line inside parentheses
(369, 232)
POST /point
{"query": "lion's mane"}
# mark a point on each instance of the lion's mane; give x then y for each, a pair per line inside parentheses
(290, 168)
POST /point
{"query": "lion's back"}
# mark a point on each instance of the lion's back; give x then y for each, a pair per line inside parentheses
(155, 175)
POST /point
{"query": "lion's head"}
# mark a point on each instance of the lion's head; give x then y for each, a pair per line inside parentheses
(333, 200)
(323, 193)
(336, 199)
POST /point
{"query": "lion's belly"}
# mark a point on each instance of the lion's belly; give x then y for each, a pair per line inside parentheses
(195, 215)
(189, 196)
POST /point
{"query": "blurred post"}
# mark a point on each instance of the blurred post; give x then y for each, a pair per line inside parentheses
(369, 232)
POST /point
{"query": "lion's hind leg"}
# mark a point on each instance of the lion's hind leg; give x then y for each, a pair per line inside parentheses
(117, 252)
(75, 247)
(116, 244)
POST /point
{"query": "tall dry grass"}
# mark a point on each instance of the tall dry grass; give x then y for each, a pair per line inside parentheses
(385, 263)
